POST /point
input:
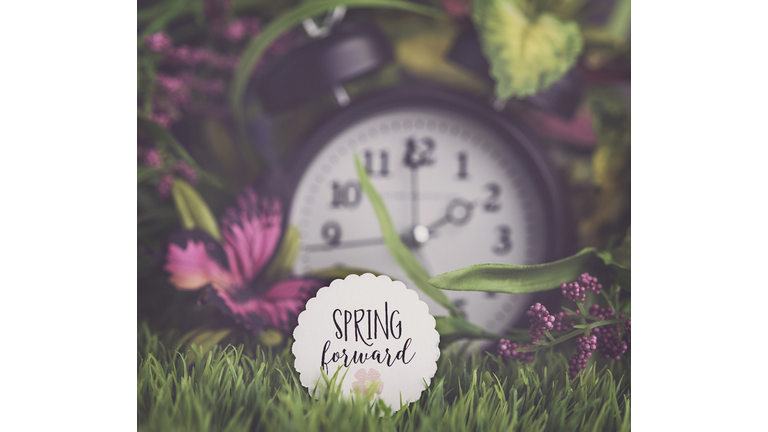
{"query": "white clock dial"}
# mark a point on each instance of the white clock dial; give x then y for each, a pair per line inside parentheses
(456, 190)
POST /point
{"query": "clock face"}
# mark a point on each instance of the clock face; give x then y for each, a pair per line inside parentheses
(458, 189)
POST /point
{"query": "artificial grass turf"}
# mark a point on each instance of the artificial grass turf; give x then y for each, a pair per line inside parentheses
(242, 388)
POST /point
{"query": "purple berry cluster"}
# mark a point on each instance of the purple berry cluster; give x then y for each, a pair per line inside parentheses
(154, 159)
(508, 349)
(540, 321)
(191, 79)
(608, 340)
(584, 347)
(608, 337)
(563, 322)
(577, 290)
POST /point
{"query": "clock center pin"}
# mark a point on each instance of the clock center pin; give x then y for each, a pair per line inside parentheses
(420, 234)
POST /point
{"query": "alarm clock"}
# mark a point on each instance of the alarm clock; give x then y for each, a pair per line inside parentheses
(463, 183)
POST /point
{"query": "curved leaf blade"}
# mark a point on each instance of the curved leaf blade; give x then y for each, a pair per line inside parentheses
(516, 279)
(338, 272)
(403, 257)
(193, 211)
(452, 329)
(293, 17)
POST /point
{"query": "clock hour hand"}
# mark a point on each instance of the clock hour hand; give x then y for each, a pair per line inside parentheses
(458, 212)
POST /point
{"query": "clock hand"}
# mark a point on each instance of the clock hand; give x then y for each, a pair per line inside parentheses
(458, 213)
(414, 196)
(343, 245)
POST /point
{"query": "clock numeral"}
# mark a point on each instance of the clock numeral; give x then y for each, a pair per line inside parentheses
(417, 155)
(462, 166)
(491, 203)
(346, 195)
(331, 232)
(384, 157)
(504, 245)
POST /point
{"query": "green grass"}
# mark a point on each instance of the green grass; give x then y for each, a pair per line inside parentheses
(233, 388)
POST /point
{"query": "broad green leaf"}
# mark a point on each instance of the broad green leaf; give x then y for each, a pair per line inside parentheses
(293, 17)
(193, 211)
(528, 50)
(403, 257)
(282, 263)
(516, 279)
(452, 329)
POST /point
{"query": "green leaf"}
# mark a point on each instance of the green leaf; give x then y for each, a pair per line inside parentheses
(339, 272)
(157, 22)
(204, 337)
(282, 263)
(145, 173)
(528, 52)
(293, 17)
(622, 254)
(403, 257)
(516, 279)
(452, 329)
(193, 211)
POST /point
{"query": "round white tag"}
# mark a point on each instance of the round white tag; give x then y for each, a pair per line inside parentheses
(374, 330)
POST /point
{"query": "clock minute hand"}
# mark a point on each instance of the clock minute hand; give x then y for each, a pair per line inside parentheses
(343, 245)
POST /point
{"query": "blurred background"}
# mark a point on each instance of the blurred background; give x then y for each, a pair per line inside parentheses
(203, 120)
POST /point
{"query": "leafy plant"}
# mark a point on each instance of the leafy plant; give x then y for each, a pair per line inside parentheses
(528, 48)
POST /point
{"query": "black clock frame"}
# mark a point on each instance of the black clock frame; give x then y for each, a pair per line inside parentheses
(559, 227)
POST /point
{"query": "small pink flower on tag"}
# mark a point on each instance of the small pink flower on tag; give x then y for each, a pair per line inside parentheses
(365, 380)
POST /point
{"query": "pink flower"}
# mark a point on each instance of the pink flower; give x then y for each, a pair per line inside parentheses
(230, 270)
(186, 171)
(175, 87)
(366, 380)
(162, 119)
(165, 185)
(152, 158)
(159, 42)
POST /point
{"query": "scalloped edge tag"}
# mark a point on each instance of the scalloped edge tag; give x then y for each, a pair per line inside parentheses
(373, 331)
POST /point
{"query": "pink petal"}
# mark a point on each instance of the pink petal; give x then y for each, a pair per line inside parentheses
(251, 232)
(361, 375)
(191, 268)
(279, 306)
(373, 374)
